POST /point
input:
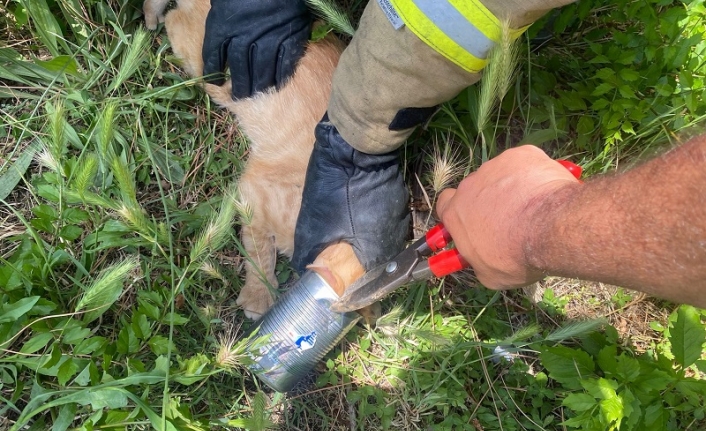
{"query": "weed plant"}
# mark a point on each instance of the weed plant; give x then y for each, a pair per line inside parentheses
(119, 257)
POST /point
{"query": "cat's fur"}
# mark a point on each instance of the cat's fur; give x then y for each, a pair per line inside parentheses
(280, 127)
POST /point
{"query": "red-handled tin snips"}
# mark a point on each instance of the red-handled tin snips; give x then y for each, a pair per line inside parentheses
(412, 264)
(416, 262)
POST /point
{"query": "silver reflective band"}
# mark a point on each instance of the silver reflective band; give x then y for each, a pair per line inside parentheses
(454, 25)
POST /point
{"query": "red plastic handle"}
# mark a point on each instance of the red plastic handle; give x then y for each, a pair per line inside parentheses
(438, 238)
(446, 262)
(575, 169)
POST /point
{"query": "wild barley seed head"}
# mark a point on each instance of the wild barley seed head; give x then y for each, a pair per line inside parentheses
(47, 159)
(446, 169)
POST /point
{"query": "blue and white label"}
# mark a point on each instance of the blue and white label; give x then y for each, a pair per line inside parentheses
(391, 14)
(306, 342)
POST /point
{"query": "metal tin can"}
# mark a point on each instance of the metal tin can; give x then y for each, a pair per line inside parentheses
(302, 331)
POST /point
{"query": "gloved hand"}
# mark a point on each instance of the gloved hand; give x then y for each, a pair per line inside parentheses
(261, 40)
(353, 197)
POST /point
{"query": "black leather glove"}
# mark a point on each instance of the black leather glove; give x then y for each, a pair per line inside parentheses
(261, 40)
(353, 197)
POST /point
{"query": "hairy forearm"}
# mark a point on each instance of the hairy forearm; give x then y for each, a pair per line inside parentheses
(644, 228)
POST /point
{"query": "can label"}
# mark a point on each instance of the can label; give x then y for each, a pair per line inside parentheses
(306, 342)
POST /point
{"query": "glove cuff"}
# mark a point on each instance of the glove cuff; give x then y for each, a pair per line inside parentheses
(328, 137)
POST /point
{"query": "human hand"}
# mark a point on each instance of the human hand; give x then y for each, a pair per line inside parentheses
(261, 40)
(353, 197)
(496, 210)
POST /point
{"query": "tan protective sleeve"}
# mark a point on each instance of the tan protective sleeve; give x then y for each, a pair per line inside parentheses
(385, 70)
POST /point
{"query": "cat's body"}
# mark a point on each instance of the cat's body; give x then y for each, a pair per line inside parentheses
(280, 126)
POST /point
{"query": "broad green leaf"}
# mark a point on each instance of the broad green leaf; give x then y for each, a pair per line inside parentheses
(66, 416)
(167, 164)
(656, 417)
(601, 89)
(175, 318)
(84, 377)
(37, 342)
(103, 398)
(159, 345)
(629, 75)
(89, 345)
(141, 326)
(600, 104)
(687, 335)
(11, 175)
(628, 368)
(192, 369)
(127, 341)
(67, 369)
(567, 366)
(70, 232)
(579, 402)
(632, 407)
(612, 412)
(75, 334)
(586, 125)
(600, 388)
(605, 74)
(582, 421)
(12, 312)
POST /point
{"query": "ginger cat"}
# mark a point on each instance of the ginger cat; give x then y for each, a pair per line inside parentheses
(280, 127)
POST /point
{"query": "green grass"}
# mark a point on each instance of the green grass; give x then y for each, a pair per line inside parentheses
(120, 260)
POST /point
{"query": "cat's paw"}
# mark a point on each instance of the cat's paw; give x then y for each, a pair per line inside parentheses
(154, 13)
(151, 21)
(255, 300)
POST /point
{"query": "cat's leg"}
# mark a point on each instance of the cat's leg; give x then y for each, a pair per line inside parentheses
(154, 12)
(185, 28)
(256, 296)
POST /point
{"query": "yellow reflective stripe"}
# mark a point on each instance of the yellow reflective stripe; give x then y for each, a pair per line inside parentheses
(418, 23)
(484, 20)
(463, 31)
(477, 14)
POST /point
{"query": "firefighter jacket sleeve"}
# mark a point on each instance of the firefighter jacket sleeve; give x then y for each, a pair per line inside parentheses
(408, 56)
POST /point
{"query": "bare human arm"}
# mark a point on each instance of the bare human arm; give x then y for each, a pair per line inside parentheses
(522, 216)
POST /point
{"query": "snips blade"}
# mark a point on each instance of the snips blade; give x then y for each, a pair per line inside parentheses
(382, 280)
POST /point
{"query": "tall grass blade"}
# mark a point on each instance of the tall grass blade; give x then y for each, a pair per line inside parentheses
(521, 334)
(214, 236)
(10, 177)
(132, 58)
(497, 78)
(45, 24)
(105, 290)
(507, 61)
(332, 15)
(576, 329)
